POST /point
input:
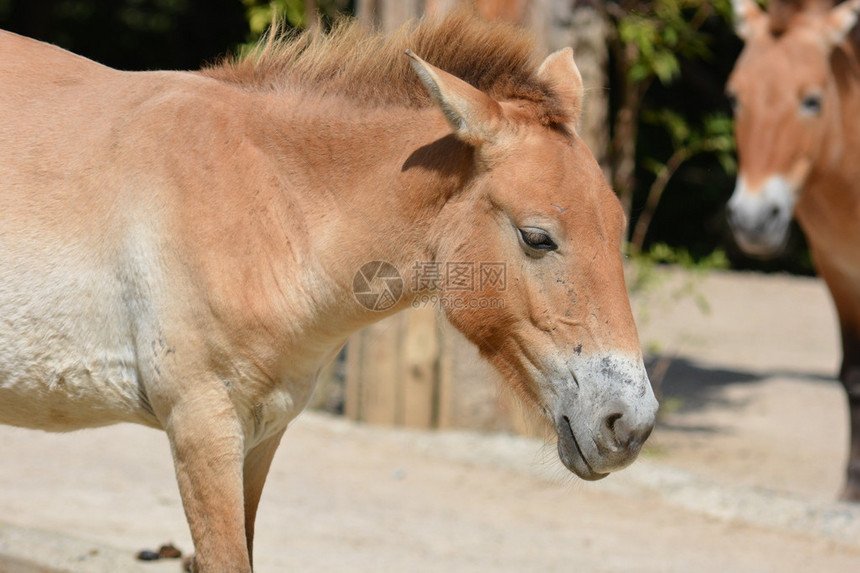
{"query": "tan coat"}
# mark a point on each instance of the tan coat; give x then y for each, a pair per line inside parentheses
(179, 249)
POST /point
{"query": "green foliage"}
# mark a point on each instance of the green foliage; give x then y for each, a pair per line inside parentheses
(661, 253)
(719, 139)
(261, 13)
(664, 31)
(714, 136)
(662, 48)
(646, 281)
(295, 13)
(643, 268)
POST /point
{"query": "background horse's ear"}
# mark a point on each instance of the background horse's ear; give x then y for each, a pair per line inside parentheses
(560, 72)
(750, 20)
(473, 115)
(840, 20)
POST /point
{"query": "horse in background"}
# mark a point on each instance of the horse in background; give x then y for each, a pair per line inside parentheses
(795, 91)
(182, 249)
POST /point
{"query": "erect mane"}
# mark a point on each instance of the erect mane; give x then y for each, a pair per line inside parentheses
(371, 69)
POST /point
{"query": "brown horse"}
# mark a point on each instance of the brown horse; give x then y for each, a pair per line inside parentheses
(182, 250)
(796, 93)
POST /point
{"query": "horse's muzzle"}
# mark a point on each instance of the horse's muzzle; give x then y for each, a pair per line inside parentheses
(603, 423)
(571, 454)
(761, 219)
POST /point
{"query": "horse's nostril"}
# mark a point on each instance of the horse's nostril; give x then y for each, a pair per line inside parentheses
(646, 433)
(774, 213)
(612, 424)
(611, 419)
(731, 216)
(623, 431)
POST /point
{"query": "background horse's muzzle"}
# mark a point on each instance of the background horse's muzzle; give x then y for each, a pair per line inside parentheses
(761, 220)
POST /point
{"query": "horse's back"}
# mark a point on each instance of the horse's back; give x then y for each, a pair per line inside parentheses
(117, 191)
(22, 56)
(55, 114)
(40, 84)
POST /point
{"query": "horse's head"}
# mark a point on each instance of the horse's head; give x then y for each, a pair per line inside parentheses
(786, 103)
(558, 323)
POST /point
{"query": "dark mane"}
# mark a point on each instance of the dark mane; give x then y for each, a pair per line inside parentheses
(371, 69)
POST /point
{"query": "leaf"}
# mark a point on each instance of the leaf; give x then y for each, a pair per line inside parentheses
(728, 163)
(639, 72)
(652, 165)
(666, 66)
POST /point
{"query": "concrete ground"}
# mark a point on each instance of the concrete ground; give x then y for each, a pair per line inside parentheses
(741, 474)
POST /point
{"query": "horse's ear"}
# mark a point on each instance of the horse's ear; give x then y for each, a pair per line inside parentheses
(840, 20)
(560, 72)
(750, 20)
(473, 115)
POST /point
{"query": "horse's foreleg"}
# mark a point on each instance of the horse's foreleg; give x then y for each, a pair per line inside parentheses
(208, 451)
(850, 376)
(846, 297)
(257, 464)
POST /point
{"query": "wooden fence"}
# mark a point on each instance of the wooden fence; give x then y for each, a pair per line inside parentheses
(415, 370)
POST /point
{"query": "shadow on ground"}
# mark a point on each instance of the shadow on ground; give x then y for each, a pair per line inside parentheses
(692, 386)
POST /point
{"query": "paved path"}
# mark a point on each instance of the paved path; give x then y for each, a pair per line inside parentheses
(740, 476)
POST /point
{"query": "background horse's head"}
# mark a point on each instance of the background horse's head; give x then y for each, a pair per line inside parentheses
(538, 203)
(786, 102)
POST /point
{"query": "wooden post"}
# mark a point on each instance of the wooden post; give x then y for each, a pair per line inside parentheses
(367, 13)
(352, 381)
(419, 368)
(379, 371)
(373, 369)
(468, 386)
(583, 27)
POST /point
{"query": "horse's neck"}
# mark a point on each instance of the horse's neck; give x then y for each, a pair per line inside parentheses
(370, 186)
(829, 206)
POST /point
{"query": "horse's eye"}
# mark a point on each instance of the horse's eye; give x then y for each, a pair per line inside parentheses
(811, 104)
(537, 239)
(733, 101)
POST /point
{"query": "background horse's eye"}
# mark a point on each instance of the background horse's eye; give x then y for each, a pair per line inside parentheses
(811, 104)
(537, 239)
(733, 101)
